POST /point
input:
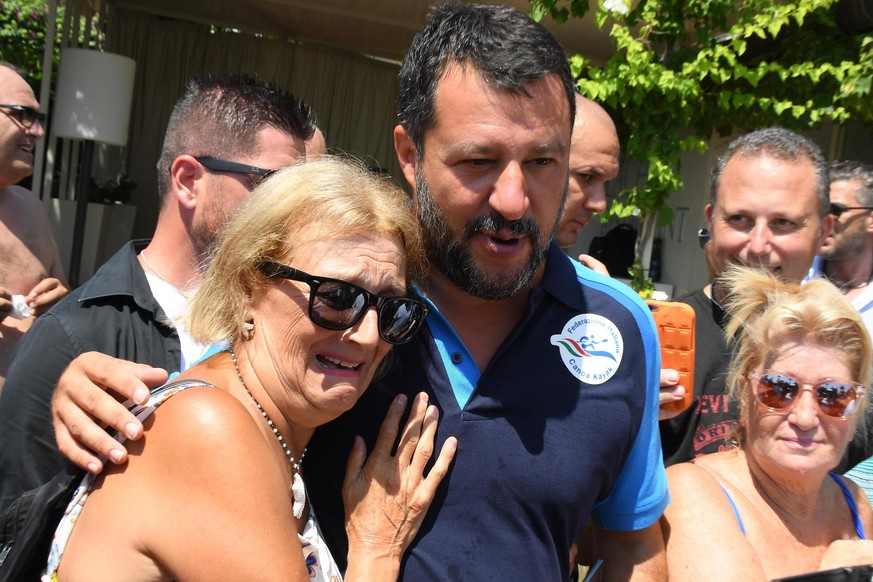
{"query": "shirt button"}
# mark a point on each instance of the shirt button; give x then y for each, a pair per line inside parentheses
(457, 358)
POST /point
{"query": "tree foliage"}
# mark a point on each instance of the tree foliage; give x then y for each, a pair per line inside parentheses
(23, 29)
(684, 70)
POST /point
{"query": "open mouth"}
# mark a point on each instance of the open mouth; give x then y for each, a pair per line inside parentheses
(332, 363)
(503, 240)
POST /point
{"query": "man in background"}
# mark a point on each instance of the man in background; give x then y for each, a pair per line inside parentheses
(594, 158)
(768, 209)
(846, 258)
(847, 254)
(31, 276)
(225, 135)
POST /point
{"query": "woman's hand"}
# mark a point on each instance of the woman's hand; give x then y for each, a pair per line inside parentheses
(386, 498)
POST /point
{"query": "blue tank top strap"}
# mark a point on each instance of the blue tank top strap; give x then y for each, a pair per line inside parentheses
(734, 507)
(856, 519)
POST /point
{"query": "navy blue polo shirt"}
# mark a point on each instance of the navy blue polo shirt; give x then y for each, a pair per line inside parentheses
(561, 426)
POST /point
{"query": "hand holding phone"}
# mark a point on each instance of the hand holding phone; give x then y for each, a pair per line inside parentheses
(675, 325)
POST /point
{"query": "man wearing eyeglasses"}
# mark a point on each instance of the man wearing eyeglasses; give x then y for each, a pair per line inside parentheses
(846, 256)
(31, 276)
(224, 137)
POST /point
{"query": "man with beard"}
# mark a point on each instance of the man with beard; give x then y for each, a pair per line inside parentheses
(846, 258)
(546, 372)
(847, 254)
(224, 136)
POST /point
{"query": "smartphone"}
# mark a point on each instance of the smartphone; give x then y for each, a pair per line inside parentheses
(675, 324)
(848, 574)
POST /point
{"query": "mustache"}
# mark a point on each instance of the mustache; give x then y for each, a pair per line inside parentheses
(494, 222)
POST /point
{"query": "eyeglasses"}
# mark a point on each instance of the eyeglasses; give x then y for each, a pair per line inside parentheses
(837, 209)
(778, 391)
(25, 115)
(219, 165)
(336, 304)
(703, 237)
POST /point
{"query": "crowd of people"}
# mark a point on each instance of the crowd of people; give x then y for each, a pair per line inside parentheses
(435, 390)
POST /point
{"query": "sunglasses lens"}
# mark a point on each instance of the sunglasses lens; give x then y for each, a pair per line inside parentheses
(776, 391)
(399, 319)
(836, 399)
(337, 305)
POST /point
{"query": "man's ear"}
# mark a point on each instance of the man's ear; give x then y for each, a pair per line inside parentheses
(186, 175)
(827, 226)
(406, 154)
(709, 210)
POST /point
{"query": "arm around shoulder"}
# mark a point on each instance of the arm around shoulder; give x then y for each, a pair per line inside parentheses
(217, 497)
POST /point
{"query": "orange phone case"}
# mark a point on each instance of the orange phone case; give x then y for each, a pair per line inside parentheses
(675, 324)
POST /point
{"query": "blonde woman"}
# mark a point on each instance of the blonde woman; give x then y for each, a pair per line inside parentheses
(771, 507)
(309, 290)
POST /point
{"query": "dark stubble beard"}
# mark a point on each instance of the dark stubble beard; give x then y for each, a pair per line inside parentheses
(449, 252)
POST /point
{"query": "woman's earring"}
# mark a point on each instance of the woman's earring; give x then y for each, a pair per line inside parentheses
(248, 330)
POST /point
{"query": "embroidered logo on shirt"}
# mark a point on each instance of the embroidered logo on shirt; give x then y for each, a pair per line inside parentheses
(591, 347)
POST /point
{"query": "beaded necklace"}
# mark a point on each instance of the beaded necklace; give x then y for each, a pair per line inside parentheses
(297, 488)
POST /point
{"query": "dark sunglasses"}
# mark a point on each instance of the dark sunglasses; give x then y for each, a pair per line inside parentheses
(25, 115)
(336, 304)
(779, 392)
(256, 174)
(837, 209)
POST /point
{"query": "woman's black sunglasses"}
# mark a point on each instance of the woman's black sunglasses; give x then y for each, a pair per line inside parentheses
(336, 304)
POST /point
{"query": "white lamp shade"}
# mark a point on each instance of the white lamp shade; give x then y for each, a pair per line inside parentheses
(93, 96)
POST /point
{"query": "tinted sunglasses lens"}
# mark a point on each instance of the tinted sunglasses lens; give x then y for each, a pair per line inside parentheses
(776, 391)
(837, 209)
(399, 319)
(337, 305)
(836, 399)
(28, 116)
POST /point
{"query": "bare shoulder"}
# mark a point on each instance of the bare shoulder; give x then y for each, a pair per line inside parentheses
(699, 486)
(202, 471)
(197, 422)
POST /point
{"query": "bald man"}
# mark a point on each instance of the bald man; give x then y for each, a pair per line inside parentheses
(31, 276)
(594, 151)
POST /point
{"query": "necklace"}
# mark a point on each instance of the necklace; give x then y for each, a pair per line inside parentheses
(145, 261)
(297, 488)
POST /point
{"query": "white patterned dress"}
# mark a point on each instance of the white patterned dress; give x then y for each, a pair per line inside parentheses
(319, 562)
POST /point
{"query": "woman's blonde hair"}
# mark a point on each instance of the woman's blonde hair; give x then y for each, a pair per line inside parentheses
(336, 196)
(767, 315)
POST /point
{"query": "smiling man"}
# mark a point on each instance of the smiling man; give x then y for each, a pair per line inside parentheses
(30, 267)
(768, 209)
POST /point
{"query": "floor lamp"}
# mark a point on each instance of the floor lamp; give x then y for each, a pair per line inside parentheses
(92, 103)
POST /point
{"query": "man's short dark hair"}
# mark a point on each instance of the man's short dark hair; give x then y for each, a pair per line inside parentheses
(220, 116)
(782, 144)
(851, 170)
(504, 45)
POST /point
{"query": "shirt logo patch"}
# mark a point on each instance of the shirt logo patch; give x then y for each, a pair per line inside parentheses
(591, 347)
